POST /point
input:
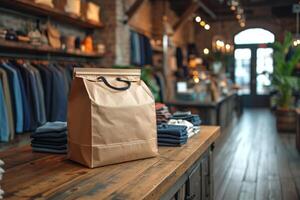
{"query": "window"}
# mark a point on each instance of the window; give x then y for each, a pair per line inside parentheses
(254, 36)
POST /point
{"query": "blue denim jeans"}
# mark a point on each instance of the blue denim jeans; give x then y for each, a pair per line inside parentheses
(51, 127)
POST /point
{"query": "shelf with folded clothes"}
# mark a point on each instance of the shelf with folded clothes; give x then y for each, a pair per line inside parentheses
(30, 7)
(22, 47)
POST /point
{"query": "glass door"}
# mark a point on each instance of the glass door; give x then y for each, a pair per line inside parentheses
(242, 71)
(264, 69)
(253, 69)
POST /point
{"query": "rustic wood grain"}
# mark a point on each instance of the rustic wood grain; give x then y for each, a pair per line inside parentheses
(253, 161)
(47, 176)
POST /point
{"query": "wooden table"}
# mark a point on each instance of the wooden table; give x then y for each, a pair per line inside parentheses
(47, 176)
(298, 129)
(218, 113)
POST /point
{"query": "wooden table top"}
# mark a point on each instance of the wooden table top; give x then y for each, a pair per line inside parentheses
(201, 104)
(48, 176)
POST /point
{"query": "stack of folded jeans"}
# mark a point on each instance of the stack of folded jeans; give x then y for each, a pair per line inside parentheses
(50, 138)
(191, 129)
(162, 113)
(1, 175)
(171, 135)
(188, 116)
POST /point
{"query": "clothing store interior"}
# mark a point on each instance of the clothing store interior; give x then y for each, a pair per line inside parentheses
(150, 99)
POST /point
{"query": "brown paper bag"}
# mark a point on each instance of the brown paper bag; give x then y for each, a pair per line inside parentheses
(111, 117)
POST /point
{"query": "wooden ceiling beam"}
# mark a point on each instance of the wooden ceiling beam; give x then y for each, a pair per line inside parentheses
(132, 10)
(192, 8)
(207, 10)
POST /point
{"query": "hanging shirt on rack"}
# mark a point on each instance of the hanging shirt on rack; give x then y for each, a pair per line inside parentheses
(135, 48)
(38, 98)
(8, 102)
(25, 104)
(4, 127)
(148, 51)
(47, 79)
(42, 115)
(17, 97)
(142, 49)
(59, 96)
(30, 94)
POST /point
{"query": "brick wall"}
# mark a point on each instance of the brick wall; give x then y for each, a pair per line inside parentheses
(107, 34)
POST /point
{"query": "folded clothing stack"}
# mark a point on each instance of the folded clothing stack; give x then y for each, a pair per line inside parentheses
(1, 175)
(162, 113)
(188, 116)
(50, 138)
(191, 129)
(3, 33)
(171, 135)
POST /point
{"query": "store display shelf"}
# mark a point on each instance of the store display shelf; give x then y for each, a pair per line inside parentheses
(157, 49)
(29, 7)
(18, 47)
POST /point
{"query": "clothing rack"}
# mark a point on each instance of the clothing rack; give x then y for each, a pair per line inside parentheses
(47, 57)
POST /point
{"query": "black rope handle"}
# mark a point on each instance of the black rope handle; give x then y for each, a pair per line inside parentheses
(102, 78)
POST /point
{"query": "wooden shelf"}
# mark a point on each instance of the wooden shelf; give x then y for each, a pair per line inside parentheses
(19, 47)
(157, 49)
(29, 7)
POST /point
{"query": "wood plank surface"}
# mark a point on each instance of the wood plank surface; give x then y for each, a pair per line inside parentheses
(253, 161)
(47, 176)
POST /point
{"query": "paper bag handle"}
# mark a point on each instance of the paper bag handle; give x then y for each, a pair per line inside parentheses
(102, 78)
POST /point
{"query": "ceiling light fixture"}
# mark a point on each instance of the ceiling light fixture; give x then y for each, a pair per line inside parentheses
(236, 7)
(198, 19)
(206, 51)
(207, 26)
(227, 47)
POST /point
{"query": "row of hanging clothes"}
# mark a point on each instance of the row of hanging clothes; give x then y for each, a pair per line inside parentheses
(31, 94)
(141, 49)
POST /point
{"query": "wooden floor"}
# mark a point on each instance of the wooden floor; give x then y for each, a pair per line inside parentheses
(252, 161)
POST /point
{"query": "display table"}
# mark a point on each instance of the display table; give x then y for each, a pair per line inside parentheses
(298, 129)
(185, 172)
(212, 113)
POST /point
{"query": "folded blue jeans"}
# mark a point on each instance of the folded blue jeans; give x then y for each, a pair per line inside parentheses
(169, 144)
(166, 136)
(172, 141)
(61, 147)
(59, 140)
(49, 135)
(47, 150)
(48, 143)
(176, 130)
(50, 127)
